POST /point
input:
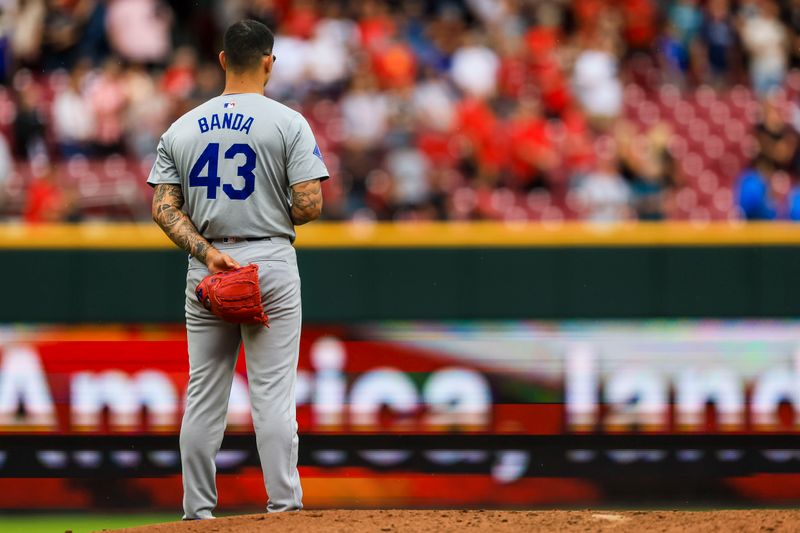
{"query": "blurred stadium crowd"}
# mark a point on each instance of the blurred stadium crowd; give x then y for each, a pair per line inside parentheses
(439, 109)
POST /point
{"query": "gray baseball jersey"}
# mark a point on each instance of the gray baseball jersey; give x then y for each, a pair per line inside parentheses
(236, 157)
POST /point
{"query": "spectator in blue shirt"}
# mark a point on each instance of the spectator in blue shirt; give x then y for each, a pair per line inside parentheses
(753, 192)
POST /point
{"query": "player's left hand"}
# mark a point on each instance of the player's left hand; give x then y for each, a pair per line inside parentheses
(217, 261)
(234, 296)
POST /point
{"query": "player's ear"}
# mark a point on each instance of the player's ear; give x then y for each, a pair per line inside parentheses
(222, 61)
(268, 64)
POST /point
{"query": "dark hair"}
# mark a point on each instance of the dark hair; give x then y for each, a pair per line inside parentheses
(245, 43)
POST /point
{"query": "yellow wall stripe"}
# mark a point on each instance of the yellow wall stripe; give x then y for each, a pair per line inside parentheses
(424, 235)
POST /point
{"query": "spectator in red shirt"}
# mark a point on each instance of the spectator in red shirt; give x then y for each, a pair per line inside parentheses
(545, 70)
(514, 72)
(639, 24)
(484, 136)
(179, 78)
(375, 26)
(301, 19)
(46, 201)
(394, 65)
(532, 156)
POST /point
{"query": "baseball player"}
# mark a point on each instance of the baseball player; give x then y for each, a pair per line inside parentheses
(232, 178)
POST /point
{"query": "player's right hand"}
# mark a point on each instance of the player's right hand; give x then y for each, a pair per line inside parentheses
(216, 261)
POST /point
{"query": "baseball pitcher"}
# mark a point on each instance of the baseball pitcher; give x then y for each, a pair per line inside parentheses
(232, 178)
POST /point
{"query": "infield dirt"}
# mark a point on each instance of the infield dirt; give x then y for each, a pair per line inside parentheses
(495, 521)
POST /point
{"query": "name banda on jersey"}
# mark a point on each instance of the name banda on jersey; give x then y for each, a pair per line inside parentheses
(229, 121)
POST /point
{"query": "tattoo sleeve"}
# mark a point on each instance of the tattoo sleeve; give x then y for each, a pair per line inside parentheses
(306, 201)
(167, 202)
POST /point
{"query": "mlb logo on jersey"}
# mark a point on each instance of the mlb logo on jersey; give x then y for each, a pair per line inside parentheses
(317, 151)
(229, 105)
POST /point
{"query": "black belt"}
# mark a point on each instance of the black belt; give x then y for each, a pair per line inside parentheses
(238, 239)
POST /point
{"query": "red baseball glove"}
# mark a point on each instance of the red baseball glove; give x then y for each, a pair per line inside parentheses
(234, 295)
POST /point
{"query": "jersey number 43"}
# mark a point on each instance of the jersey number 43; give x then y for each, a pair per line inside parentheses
(208, 162)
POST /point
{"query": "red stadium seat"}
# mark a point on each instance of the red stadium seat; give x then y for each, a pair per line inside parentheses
(741, 96)
(464, 202)
(648, 113)
(734, 130)
(692, 164)
(677, 146)
(708, 182)
(669, 95)
(633, 96)
(723, 199)
(515, 213)
(698, 130)
(720, 113)
(700, 214)
(752, 112)
(684, 112)
(686, 199)
(502, 199)
(538, 200)
(713, 147)
(553, 215)
(704, 97)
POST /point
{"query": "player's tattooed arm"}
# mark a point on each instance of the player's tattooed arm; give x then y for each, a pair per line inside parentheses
(306, 202)
(167, 202)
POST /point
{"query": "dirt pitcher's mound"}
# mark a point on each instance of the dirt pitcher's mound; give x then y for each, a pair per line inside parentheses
(773, 521)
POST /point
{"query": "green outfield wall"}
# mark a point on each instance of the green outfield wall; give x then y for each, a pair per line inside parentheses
(55, 279)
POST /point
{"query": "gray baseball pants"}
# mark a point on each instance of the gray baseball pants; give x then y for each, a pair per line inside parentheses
(271, 373)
